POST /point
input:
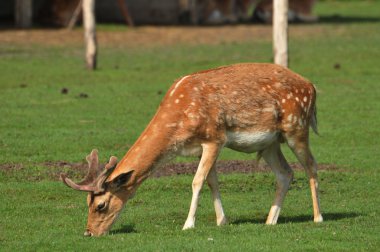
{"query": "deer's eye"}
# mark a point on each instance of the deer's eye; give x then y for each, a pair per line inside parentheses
(101, 206)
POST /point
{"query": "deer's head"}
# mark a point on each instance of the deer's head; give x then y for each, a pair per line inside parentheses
(105, 198)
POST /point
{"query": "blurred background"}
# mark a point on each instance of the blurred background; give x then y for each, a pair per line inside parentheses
(163, 12)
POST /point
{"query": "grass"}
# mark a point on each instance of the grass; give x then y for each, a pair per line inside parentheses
(149, 224)
(39, 124)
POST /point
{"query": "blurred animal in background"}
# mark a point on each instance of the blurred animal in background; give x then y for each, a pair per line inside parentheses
(299, 11)
(234, 11)
(196, 12)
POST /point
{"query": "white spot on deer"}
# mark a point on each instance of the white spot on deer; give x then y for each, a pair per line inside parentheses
(288, 96)
(202, 114)
(305, 99)
(278, 85)
(144, 137)
(171, 125)
(176, 101)
(302, 90)
(195, 89)
(283, 100)
(269, 87)
(264, 89)
(296, 91)
(192, 116)
(290, 117)
(181, 96)
(208, 133)
(192, 103)
(189, 115)
(295, 119)
(297, 99)
(177, 85)
(268, 109)
(302, 105)
(283, 111)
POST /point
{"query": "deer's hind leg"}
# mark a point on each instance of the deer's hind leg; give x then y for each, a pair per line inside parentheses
(299, 144)
(212, 180)
(284, 175)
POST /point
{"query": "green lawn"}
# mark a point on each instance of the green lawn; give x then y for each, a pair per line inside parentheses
(48, 216)
(39, 124)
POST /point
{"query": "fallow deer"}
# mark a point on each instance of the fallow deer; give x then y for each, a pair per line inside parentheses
(246, 107)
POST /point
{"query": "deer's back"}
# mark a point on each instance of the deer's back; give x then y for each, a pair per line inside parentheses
(248, 98)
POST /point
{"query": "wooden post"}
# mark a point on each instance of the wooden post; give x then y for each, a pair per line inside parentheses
(125, 12)
(280, 32)
(23, 13)
(89, 33)
(74, 18)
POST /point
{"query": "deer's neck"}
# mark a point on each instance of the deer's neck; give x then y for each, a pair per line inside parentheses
(151, 149)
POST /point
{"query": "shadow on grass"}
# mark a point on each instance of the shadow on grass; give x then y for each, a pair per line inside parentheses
(338, 19)
(125, 229)
(299, 218)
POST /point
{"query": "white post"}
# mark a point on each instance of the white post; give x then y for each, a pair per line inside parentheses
(280, 32)
(23, 13)
(89, 33)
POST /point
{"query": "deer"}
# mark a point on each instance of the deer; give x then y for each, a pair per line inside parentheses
(247, 107)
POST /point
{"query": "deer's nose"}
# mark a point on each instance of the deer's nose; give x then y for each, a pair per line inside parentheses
(87, 233)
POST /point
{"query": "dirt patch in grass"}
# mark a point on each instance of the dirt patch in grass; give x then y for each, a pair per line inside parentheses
(230, 166)
(52, 170)
(148, 36)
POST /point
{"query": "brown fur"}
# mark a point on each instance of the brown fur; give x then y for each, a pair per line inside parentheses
(231, 106)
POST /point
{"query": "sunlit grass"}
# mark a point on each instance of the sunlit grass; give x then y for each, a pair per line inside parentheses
(39, 123)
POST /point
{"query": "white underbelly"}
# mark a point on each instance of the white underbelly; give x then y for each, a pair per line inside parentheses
(250, 141)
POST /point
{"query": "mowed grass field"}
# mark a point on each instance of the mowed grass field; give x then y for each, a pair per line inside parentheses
(109, 108)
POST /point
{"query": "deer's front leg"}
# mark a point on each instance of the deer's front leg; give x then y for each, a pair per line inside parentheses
(209, 154)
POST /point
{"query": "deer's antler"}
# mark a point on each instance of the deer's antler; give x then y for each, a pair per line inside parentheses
(96, 176)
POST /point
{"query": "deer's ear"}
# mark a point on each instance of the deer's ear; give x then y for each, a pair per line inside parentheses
(120, 180)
